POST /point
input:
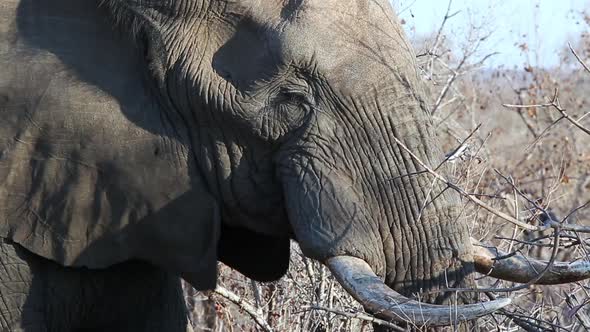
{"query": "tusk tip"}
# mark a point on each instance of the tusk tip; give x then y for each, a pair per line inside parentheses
(485, 308)
(497, 304)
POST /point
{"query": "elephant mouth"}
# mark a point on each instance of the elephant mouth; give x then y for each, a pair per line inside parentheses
(360, 281)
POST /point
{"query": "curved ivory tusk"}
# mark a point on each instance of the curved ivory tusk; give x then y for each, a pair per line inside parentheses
(357, 277)
(518, 268)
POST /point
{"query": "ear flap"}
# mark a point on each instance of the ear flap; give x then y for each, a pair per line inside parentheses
(92, 172)
(257, 256)
(181, 237)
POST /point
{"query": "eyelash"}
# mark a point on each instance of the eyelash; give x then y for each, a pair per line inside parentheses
(296, 97)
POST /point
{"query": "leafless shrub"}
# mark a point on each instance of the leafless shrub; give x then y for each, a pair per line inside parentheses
(306, 299)
(530, 161)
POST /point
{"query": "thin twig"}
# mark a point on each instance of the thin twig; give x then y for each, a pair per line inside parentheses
(459, 148)
(578, 58)
(255, 313)
(467, 195)
(549, 223)
(554, 102)
(357, 315)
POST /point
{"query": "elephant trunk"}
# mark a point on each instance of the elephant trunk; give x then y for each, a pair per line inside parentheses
(425, 239)
(429, 248)
(388, 231)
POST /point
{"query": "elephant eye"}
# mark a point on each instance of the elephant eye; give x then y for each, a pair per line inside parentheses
(295, 97)
(287, 110)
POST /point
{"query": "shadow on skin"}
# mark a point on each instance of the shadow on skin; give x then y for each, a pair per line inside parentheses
(68, 299)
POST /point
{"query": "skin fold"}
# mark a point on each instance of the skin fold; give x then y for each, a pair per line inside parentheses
(145, 140)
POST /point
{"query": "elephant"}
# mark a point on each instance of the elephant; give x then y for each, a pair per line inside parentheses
(144, 141)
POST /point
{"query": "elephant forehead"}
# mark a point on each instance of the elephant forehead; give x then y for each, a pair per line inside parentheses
(352, 42)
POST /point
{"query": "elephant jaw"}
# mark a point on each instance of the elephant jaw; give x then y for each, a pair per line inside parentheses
(359, 280)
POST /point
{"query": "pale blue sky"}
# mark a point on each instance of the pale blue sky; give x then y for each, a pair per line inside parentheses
(545, 25)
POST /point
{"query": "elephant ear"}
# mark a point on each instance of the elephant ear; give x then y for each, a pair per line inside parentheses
(92, 171)
(258, 256)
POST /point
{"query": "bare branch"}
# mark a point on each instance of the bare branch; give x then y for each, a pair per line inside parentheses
(554, 102)
(357, 315)
(448, 15)
(467, 195)
(459, 150)
(578, 58)
(255, 313)
(549, 223)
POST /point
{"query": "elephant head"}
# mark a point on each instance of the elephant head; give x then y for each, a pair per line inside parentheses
(227, 128)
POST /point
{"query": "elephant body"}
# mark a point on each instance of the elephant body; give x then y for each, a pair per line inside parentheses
(87, 146)
(146, 140)
(41, 295)
(62, 125)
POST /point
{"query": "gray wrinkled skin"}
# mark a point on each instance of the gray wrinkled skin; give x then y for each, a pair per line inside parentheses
(183, 132)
